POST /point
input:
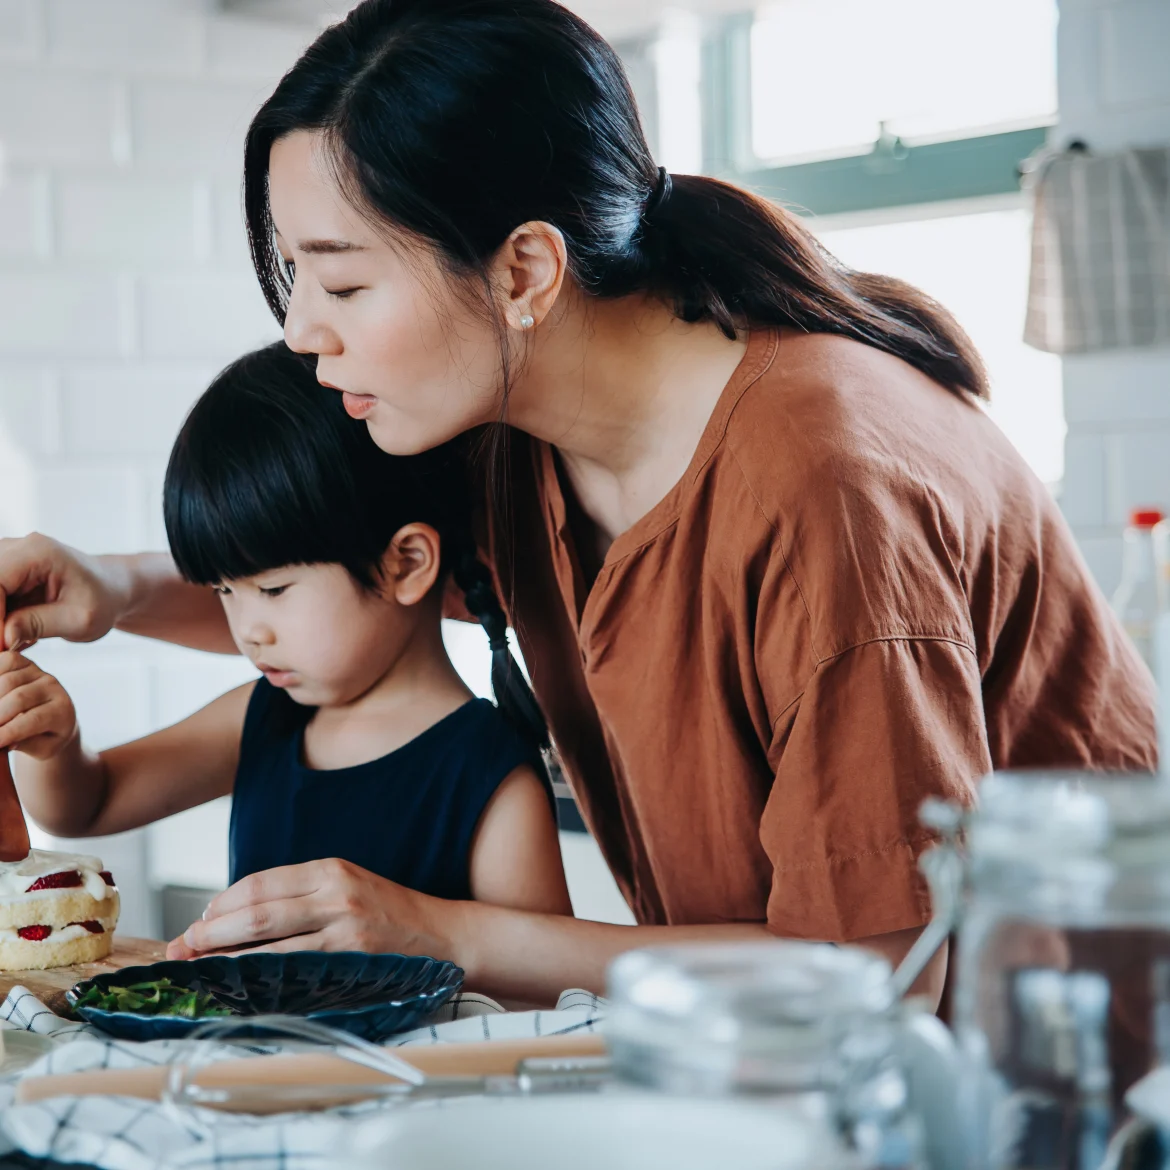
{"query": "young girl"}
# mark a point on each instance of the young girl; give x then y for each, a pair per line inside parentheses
(359, 742)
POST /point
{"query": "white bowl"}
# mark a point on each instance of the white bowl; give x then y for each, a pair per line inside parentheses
(619, 1131)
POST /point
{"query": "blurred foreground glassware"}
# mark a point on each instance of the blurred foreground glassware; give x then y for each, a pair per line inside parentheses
(809, 1025)
(1062, 995)
(607, 1131)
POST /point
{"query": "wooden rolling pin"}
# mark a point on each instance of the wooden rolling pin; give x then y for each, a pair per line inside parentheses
(14, 842)
(311, 1070)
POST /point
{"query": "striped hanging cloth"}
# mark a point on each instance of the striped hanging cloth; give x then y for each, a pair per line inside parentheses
(1100, 276)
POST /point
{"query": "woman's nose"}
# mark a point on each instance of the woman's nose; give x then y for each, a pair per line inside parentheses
(304, 332)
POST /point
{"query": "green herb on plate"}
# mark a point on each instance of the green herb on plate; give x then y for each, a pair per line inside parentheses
(160, 997)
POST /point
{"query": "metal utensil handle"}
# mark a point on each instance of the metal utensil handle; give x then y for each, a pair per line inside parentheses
(350, 1047)
(943, 869)
(182, 1096)
(563, 1074)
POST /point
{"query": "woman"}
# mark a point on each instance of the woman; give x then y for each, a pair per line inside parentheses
(776, 576)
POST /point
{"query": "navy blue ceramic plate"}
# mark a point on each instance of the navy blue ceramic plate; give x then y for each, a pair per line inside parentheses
(372, 996)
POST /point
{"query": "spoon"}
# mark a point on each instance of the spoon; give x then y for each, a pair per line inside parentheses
(14, 842)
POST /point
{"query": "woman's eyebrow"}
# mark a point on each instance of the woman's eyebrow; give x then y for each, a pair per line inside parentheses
(328, 247)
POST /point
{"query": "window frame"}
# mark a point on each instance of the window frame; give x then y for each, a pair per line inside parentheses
(918, 172)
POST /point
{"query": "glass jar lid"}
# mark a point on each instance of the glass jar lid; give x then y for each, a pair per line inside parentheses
(741, 1014)
(1034, 815)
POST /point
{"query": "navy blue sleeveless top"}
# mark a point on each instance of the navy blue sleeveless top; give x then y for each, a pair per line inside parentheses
(409, 816)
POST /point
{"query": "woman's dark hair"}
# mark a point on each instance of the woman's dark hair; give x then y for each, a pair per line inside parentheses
(458, 120)
(269, 471)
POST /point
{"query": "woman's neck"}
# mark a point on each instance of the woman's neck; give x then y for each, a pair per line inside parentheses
(624, 390)
(419, 688)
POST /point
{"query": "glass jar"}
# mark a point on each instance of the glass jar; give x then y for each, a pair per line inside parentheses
(813, 1024)
(1062, 995)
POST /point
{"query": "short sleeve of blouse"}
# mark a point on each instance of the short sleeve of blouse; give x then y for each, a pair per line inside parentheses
(881, 727)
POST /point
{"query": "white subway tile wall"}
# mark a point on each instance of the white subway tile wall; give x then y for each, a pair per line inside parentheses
(25, 230)
(1114, 91)
(19, 28)
(125, 285)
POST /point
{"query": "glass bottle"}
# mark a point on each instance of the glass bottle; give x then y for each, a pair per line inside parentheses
(1135, 601)
(1160, 535)
(1161, 650)
(1062, 992)
(814, 1025)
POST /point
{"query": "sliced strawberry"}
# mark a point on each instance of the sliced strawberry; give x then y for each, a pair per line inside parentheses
(35, 933)
(56, 881)
(92, 925)
(107, 877)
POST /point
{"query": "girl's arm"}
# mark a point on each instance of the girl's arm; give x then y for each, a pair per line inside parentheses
(73, 792)
(516, 852)
(48, 590)
(511, 954)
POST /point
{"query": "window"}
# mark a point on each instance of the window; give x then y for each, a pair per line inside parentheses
(898, 128)
(827, 76)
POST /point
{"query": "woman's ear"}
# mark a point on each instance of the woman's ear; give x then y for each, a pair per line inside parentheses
(410, 567)
(528, 271)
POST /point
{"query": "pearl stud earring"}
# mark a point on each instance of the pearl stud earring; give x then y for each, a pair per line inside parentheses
(527, 321)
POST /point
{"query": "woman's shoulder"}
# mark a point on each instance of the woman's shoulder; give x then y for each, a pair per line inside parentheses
(884, 491)
(832, 422)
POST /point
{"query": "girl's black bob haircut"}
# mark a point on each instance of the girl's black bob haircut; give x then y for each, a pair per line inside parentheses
(269, 471)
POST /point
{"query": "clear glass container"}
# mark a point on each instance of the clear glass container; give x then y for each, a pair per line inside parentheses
(1062, 998)
(811, 1024)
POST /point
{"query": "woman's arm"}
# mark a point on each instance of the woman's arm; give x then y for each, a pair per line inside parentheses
(510, 954)
(160, 604)
(73, 792)
(560, 953)
(516, 853)
(48, 590)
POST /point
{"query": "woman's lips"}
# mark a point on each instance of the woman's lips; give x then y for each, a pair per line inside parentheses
(358, 405)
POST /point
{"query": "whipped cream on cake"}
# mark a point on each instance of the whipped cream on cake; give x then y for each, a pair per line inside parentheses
(56, 909)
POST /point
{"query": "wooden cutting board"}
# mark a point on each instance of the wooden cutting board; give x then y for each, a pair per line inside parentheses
(50, 986)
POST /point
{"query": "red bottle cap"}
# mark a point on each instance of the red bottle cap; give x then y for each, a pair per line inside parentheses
(1146, 517)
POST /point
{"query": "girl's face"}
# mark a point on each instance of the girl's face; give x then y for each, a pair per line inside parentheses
(415, 359)
(315, 633)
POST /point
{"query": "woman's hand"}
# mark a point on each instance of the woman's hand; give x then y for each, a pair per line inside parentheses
(36, 713)
(48, 590)
(329, 905)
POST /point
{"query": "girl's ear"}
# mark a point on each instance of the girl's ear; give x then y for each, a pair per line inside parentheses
(410, 567)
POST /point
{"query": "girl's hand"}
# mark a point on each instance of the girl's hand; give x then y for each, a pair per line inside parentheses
(36, 714)
(329, 905)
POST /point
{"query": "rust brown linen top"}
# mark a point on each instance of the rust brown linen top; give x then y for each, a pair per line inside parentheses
(856, 597)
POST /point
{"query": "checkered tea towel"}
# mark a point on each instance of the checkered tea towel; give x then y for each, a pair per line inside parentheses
(120, 1133)
(1100, 274)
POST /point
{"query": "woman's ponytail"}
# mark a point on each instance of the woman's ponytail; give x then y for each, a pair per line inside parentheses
(514, 697)
(720, 253)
